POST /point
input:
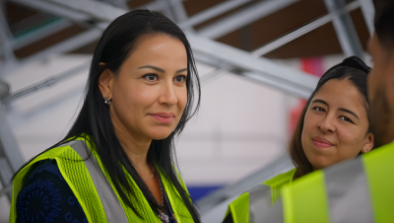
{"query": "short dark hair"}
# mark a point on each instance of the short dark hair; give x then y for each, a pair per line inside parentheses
(352, 69)
(384, 21)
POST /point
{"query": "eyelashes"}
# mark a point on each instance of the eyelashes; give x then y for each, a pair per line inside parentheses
(151, 77)
(154, 77)
(344, 118)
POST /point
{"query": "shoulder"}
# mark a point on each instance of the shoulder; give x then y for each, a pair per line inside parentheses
(43, 167)
(46, 195)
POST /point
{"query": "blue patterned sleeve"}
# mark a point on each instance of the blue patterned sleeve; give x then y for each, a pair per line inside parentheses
(46, 197)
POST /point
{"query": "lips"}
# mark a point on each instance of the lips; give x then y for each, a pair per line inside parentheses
(163, 117)
(322, 142)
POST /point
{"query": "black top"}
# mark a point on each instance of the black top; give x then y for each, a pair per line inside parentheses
(46, 197)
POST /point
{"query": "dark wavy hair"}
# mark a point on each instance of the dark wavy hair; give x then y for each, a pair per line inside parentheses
(114, 47)
(352, 69)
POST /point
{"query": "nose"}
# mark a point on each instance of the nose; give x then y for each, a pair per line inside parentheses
(327, 124)
(168, 94)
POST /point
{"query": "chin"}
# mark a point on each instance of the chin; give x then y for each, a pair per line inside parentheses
(159, 135)
(320, 163)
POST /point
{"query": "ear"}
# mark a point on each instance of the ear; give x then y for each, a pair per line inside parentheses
(105, 82)
(369, 143)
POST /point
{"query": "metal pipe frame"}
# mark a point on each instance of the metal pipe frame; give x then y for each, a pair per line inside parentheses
(212, 12)
(5, 39)
(344, 28)
(40, 33)
(304, 30)
(214, 49)
(369, 12)
(243, 17)
(9, 143)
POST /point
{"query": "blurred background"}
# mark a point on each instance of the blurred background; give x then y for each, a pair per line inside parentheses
(258, 61)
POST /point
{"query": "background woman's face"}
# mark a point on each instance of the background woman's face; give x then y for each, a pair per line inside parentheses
(149, 93)
(335, 124)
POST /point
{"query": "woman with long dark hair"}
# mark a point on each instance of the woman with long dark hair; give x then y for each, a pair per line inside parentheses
(116, 162)
(333, 126)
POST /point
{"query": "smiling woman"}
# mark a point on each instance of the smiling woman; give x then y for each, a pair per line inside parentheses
(332, 127)
(115, 163)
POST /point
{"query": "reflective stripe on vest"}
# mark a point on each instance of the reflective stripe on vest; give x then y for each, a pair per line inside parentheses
(113, 210)
(348, 193)
(260, 206)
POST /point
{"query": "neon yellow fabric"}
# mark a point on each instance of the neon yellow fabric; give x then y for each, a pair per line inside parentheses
(77, 176)
(180, 211)
(239, 208)
(276, 183)
(298, 209)
(75, 173)
(379, 168)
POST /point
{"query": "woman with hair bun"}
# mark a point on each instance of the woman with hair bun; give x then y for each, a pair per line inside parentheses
(333, 127)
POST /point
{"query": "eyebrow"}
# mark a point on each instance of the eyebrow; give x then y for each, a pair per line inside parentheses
(320, 101)
(341, 109)
(161, 70)
(348, 111)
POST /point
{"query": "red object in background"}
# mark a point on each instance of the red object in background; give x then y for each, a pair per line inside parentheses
(313, 66)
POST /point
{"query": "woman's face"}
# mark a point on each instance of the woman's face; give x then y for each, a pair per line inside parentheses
(335, 125)
(149, 93)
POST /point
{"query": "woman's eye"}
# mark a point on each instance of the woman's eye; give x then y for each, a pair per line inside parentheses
(318, 109)
(344, 118)
(150, 77)
(180, 78)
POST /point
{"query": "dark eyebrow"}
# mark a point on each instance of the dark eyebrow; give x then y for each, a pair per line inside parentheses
(348, 111)
(341, 109)
(153, 67)
(181, 70)
(161, 70)
(320, 101)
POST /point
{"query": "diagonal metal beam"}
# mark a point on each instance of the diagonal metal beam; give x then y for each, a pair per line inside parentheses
(345, 30)
(6, 39)
(243, 17)
(66, 46)
(281, 75)
(40, 33)
(212, 12)
(368, 10)
(303, 30)
(9, 143)
(118, 3)
(179, 12)
(248, 62)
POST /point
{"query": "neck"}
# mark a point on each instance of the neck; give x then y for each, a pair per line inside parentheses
(136, 148)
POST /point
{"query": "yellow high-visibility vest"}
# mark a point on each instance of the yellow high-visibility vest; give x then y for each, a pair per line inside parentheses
(353, 191)
(94, 190)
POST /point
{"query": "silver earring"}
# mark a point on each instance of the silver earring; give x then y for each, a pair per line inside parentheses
(365, 150)
(107, 101)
